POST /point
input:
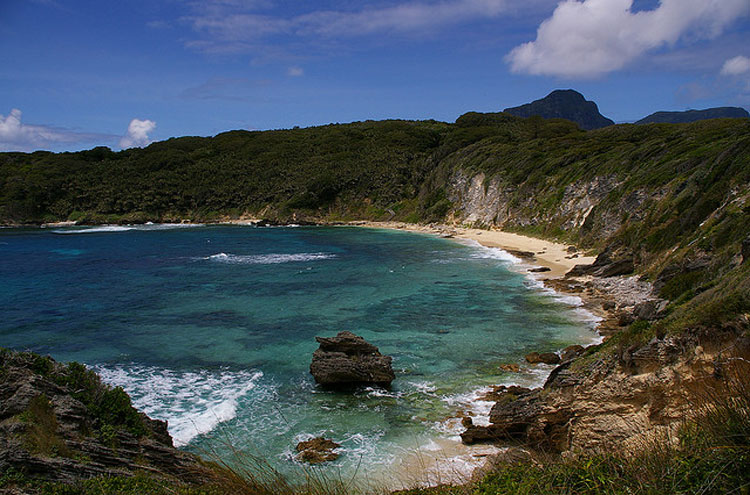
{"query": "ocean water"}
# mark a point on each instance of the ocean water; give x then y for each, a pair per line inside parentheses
(212, 328)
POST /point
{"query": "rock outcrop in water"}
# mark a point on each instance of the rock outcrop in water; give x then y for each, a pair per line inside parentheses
(317, 450)
(347, 360)
(60, 423)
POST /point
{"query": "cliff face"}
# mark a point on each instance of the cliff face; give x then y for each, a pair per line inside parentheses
(488, 202)
(60, 423)
(624, 400)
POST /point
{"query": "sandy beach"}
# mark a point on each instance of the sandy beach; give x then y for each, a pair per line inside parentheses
(532, 251)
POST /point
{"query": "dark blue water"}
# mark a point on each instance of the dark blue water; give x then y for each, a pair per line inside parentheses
(212, 327)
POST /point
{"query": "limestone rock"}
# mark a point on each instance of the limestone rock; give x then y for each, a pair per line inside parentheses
(609, 263)
(510, 367)
(540, 269)
(347, 360)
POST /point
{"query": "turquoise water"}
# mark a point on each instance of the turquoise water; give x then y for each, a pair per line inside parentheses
(212, 328)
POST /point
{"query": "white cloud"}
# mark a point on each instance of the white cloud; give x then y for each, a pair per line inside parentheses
(736, 66)
(295, 72)
(17, 136)
(137, 135)
(593, 37)
(405, 17)
(230, 24)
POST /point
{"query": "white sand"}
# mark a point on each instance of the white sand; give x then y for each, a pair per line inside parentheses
(549, 254)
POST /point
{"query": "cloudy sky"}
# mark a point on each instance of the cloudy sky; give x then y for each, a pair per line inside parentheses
(81, 73)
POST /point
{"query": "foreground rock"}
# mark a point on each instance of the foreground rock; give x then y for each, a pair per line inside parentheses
(60, 423)
(317, 450)
(348, 360)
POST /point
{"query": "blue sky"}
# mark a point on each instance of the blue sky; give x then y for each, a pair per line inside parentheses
(77, 74)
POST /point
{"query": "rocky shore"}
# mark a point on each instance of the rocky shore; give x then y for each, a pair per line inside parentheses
(60, 423)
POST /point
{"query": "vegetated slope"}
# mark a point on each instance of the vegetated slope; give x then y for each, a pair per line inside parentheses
(61, 423)
(674, 199)
(234, 172)
(695, 115)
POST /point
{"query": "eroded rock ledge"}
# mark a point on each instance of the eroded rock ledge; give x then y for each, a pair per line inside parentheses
(614, 401)
(61, 423)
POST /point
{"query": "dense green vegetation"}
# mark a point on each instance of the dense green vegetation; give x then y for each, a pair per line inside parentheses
(311, 170)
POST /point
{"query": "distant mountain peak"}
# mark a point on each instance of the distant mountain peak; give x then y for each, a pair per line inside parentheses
(564, 104)
(695, 115)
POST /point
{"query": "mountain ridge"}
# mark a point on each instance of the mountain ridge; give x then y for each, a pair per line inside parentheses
(564, 104)
(687, 116)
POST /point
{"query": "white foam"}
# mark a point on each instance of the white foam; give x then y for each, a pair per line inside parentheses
(481, 252)
(426, 388)
(193, 403)
(124, 228)
(267, 259)
(94, 230)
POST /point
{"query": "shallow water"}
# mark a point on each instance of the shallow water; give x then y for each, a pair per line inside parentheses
(212, 328)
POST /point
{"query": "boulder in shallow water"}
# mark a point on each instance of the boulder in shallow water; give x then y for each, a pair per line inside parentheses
(317, 450)
(510, 367)
(545, 357)
(347, 359)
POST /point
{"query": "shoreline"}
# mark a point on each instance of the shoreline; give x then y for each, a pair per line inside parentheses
(451, 460)
(532, 251)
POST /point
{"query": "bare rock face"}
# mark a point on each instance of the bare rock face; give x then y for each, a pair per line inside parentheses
(571, 352)
(617, 401)
(347, 359)
(609, 263)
